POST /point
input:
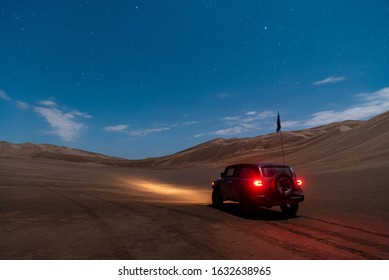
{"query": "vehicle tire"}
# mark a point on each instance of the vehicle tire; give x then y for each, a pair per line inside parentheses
(283, 185)
(246, 205)
(290, 209)
(217, 199)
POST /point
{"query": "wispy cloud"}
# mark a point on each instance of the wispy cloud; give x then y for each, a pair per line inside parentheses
(234, 130)
(291, 124)
(22, 105)
(369, 105)
(330, 80)
(4, 96)
(64, 123)
(147, 131)
(235, 125)
(116, 128)
(248, 117)
(125, 128)
(49, 103)
(187, 123)
(80, 114)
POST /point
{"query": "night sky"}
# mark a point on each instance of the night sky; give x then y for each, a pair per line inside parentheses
(148, 78)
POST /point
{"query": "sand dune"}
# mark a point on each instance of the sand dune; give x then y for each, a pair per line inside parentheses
(31, 150)
(345, 144)
(338, 145)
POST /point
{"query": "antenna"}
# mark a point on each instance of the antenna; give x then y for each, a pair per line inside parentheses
(282, 141)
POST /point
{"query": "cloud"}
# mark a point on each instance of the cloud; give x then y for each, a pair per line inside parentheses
(370, 104)
(235, 130)
(330, 80)
(163, 127)
(124, 128)
(230, 131)
(289, 124)
(116, 128)
(4, 96)
(186, 123)
(49, 103)
(22, 105)
(74, 113)
(248, 117)
(64, 124)
(147, 131)
(249, 121)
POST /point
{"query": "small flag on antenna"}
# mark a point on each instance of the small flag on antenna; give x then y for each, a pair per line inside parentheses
(278, 123)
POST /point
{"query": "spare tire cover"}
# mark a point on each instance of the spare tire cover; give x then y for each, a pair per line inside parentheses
(283, 184)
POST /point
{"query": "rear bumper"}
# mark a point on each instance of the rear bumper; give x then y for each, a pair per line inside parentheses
(271, 200)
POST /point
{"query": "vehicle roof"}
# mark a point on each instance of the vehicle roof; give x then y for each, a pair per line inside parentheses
(261, 164)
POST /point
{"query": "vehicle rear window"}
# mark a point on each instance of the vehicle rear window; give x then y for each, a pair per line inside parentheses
(270, 171)
(249, 173)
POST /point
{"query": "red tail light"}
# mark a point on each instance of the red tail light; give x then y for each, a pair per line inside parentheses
(299, 182)
(258, 183)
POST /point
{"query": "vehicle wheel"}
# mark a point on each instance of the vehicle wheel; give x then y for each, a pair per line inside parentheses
(217, 199)
(283, 184)
(290, 209)
(246, 205)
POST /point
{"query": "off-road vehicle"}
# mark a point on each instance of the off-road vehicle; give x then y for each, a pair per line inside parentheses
(259, 185)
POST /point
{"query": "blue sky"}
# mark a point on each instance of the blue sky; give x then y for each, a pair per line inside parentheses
(148, 78)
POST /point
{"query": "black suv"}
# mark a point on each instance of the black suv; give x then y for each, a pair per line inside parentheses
(259, 184)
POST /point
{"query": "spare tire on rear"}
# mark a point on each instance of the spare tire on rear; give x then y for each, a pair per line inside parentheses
(283, 184)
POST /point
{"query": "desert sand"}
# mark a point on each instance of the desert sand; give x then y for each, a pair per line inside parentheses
(59, 203)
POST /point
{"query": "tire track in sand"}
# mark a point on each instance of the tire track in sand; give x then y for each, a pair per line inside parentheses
(117, 249)
(325, 241)
(172, 229)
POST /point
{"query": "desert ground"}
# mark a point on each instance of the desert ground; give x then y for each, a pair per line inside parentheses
(63, 209)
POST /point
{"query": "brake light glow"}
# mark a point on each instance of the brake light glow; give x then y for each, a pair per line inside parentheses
(258, 183)
(299, 182)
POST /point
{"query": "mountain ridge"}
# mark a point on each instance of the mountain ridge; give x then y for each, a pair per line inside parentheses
(348, 142)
